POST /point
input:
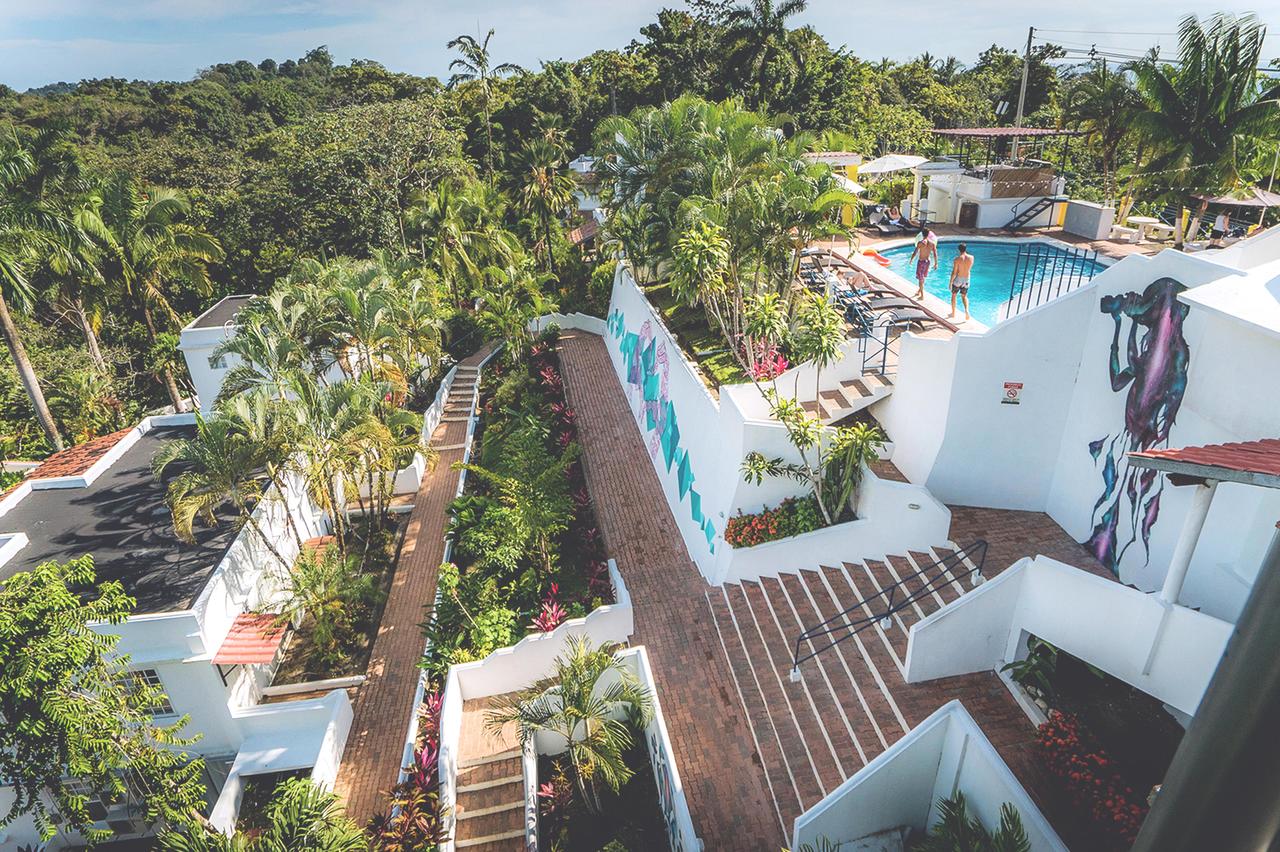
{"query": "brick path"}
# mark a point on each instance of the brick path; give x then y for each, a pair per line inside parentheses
(383, 707)
(722, 774)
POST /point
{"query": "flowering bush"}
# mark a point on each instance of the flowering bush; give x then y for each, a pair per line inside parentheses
(552, 615)
(770, 363)
(792, 516)
(415, 802)
(1089, 776)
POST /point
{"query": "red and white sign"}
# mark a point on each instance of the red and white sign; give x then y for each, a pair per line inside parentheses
(1012, 393)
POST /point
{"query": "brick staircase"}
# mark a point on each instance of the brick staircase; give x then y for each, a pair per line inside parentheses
(489, 813)
(852, 396)
(490, 809)
(851, 701)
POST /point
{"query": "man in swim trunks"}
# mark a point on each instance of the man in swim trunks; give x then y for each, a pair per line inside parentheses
(960, 270)
(925, 254)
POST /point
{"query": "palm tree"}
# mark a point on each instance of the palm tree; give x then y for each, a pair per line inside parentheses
(458, 232)
(579, 702)
(545, 190)
(25, 224)
(302, 817)
(760, 49)
(151, 247)
(473, 66)
(1101, 103)
(956, 831)
(270, 424)
(331, 589)
(220, 465)
(1197, 112)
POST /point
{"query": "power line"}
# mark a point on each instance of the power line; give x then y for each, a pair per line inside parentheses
(1101, 32)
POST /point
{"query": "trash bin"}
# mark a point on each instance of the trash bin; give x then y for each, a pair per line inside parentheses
(968, 215)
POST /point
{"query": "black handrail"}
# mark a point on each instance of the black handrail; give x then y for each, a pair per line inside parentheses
(975, 553)
(1042, 272)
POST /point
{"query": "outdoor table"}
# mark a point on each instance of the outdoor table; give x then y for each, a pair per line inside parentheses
(1144, 224)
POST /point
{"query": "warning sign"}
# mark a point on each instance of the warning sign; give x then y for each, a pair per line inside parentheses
(1012, 393)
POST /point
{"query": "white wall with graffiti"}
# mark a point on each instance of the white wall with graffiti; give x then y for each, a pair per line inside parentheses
(1123, 364)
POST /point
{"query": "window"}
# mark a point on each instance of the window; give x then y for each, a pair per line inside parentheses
(150, 680)
(217, 362)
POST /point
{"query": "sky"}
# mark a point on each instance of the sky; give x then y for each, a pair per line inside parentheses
(45, 41)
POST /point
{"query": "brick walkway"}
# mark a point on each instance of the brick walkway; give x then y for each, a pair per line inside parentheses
(371, 759)
(721, 772)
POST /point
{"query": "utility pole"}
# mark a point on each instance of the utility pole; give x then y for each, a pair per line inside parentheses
(1022, 92)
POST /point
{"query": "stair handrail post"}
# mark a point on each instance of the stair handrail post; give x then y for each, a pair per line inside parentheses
(885, 620)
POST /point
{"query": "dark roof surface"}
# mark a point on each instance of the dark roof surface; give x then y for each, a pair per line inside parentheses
(123, 522)
(1257, 461)
(221, 313)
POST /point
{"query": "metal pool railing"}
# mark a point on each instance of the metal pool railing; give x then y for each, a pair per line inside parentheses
(1043, 272)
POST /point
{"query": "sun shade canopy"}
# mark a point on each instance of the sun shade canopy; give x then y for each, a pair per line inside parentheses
(1248, 462)
(253, 638)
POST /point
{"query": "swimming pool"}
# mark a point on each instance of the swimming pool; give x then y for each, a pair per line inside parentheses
(994, 262)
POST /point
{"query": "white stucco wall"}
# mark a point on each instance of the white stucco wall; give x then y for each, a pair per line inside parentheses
(953, 434)
(1167, 652)
(945, 753)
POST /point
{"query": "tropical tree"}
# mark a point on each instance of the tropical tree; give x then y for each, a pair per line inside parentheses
(581, 701)
(331, 589)
(457, 227)
(301, 817)
(220, 465)
(473, 65)
(853, 449)
(1196, 113)
(1101, 103)
(25, 224)
(152, 247)
(73, 710)
(513, 298)
(766, 59)
(545, 189)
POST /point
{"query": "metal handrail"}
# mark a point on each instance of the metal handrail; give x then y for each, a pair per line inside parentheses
(978, 552)
(1033, 284)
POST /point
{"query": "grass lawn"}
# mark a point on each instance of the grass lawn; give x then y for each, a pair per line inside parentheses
(699, 341)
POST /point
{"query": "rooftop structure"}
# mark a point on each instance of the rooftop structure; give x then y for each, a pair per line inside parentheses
(122, 521)
(222, 312)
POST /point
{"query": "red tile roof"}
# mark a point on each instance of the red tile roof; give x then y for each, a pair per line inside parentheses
(587, 230)
(1247, 457)
(74, 461)
(253, 638)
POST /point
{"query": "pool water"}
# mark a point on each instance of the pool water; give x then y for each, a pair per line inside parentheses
(994, 262)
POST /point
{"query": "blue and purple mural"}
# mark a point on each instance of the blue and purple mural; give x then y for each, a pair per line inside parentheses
(648, 370)
(1153, 367)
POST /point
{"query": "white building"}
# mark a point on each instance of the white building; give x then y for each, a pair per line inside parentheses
(195, 630)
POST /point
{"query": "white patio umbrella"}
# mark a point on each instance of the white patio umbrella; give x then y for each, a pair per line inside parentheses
(890, 163)
(849, 185)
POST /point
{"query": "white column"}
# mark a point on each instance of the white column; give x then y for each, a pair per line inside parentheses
(1180, 561)
(915, 195)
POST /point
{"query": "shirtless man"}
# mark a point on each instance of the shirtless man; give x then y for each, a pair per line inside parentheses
(925, 254)
(960, 270)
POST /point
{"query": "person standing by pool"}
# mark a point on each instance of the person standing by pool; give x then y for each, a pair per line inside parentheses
(925, 254)
(961, 267)
(1220, 227)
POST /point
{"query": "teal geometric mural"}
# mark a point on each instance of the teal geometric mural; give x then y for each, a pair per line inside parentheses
(647, 370)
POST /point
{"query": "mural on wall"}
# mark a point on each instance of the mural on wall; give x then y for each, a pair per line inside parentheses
(647, 371)
(1152, 366)
(666, 789)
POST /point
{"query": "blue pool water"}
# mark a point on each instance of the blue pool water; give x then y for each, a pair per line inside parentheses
(993, 270)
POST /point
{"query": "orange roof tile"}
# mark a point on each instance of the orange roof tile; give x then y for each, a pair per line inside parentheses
(253, 638)
(74, 461)
(1247, 457)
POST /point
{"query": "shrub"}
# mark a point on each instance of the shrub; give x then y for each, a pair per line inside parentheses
(1089, 776)
(414, 821)
(792, 516)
